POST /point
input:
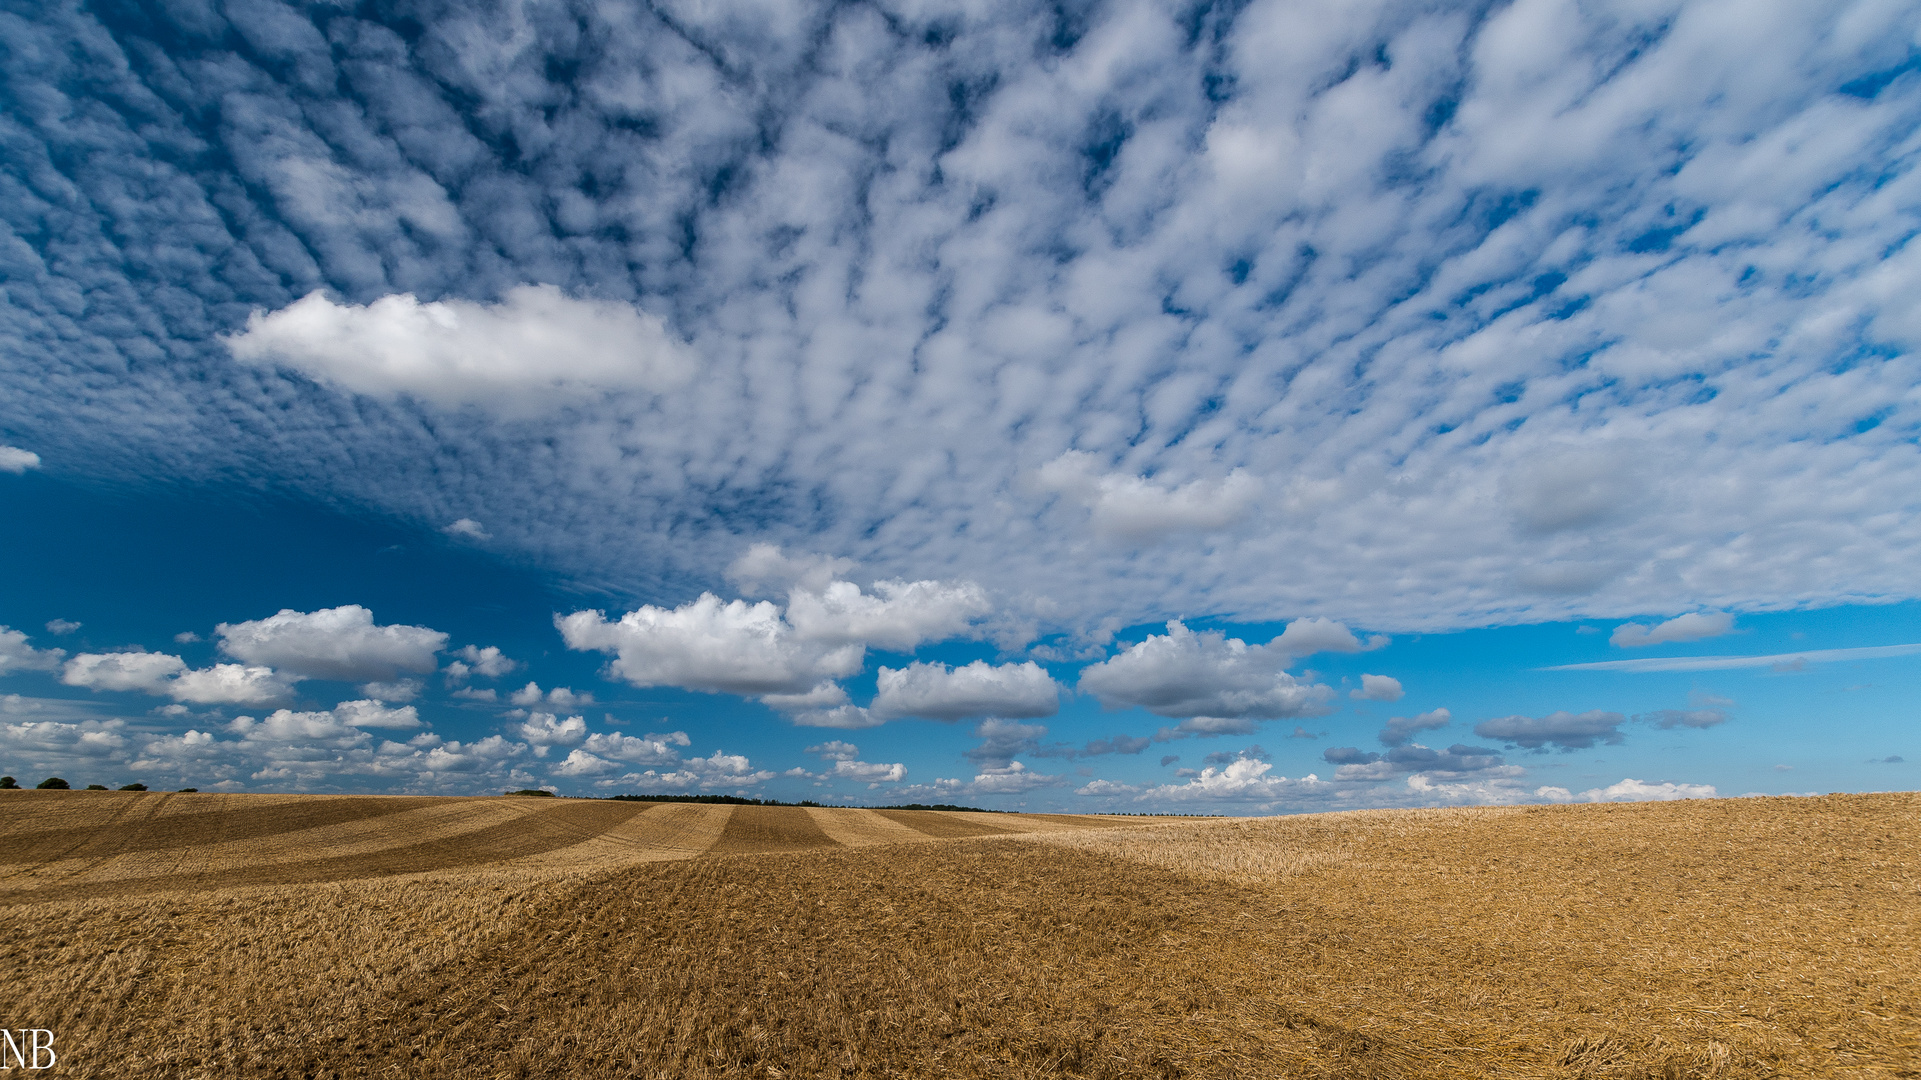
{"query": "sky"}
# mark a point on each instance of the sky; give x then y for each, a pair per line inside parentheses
(1108, 407)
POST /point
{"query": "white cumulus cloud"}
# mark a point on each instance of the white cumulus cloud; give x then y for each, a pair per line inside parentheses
(1185, 674)
(897, 615)
(16, 461)
(938, 692)
(332, 643)
(17, 655)
(705, 644)
(162, 673)
(535, 346)
(1631, 790)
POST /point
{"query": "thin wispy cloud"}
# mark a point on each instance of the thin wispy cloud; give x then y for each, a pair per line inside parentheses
(1730, 663)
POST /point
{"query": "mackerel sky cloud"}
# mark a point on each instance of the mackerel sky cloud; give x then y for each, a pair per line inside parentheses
(1122, 369)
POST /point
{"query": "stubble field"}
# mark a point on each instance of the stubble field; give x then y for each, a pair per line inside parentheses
(342, 936)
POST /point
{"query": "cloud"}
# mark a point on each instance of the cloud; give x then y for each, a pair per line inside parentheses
(162, 673)
(1631, 790)
(868, 773)
(1400, 729)
(1777, 661)
(1678, 718)
(1435, 281)
(489, 662)
(1378, 688)
(716, 771)
(1573, 489)
(1569, 731)
(764, 568)
(17, 655)
(735, 647)
(1228, 757)
(1137, 508)
(310, 729)
(1458, 761)
(582, 763)
(401, 690)
(835, 750)
(374, 714)
(938, 692)
(332, 643)
(542, 730)
(898, 615)
(823, 696)
(467, 529)
(1246, 780)
(1011, 779)
(17, 461)
(229, 684)
(1207, 727)
(652, 748)
(536, 346)
(844, 717)
(560, 697)
(1305, 637)
(1185, 674)
(61, 627)
(1002, 740)
(1118, 744)
(1106, 789)
(1690, 627)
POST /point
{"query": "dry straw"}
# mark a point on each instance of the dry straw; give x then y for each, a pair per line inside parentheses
(240, 936)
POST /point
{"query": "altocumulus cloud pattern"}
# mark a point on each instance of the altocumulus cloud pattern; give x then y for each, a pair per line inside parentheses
(1413, 315)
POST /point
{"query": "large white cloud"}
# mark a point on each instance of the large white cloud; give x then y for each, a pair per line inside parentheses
(535, 346)
(938, 692)
(17, 461)
(332, 643)
(163, 673)
(732, 647)
(1185, 674)
(897, 615)
(17, 655)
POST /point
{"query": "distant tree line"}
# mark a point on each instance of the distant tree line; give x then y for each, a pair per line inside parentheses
(55, 783)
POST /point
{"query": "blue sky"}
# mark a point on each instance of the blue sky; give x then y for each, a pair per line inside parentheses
(1108, 407)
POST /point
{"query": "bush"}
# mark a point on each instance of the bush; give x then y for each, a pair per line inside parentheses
(96, 787)
(53, 783)
(133, 787)
(8, 783)
(188, 790)
(533, 791)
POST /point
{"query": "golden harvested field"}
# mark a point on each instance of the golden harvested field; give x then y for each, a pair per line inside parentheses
(335, 936)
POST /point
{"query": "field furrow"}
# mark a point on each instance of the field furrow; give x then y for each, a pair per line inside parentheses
(1747, 940)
